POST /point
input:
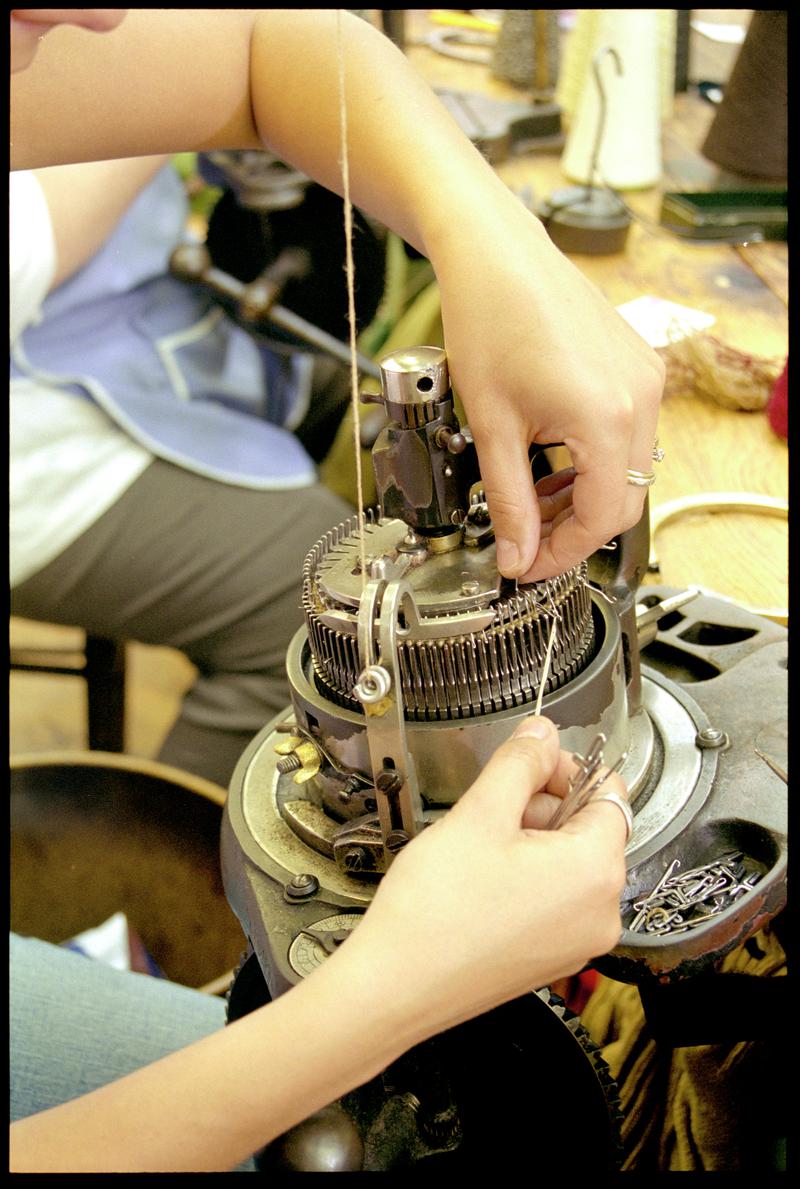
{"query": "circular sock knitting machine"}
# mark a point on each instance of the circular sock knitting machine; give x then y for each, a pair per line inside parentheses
(416, 661)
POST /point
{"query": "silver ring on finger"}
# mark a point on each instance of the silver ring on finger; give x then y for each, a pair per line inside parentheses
(623, 807)
(640, 478)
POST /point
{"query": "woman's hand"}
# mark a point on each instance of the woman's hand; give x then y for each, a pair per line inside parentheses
(487, 903)
(538, 355)
(483, 906)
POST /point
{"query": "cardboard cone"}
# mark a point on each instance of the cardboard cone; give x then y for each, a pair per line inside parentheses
(630, 151)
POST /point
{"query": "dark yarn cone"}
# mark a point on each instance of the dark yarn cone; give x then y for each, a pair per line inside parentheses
(749, 135)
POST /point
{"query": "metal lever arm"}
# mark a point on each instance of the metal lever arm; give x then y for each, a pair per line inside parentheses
(379, 691)
(257, 302)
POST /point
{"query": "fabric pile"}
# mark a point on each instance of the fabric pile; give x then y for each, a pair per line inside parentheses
(699, 1108)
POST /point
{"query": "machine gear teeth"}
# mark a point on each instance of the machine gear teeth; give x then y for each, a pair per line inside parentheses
(462, 673)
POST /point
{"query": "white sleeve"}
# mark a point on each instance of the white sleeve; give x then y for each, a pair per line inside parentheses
(31, 251)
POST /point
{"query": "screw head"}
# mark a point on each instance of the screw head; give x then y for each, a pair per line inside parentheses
(711, 738)
(388, 782)
(374, 684)
(395, 841)
(349, 788)
(356, 859)
(301, 886)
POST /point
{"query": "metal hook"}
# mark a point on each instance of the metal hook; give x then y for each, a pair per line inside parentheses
(601, 123)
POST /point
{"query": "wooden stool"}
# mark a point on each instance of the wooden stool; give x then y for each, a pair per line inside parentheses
(102, 666)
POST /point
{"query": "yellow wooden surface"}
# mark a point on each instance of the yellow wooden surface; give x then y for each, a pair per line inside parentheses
(48, 712)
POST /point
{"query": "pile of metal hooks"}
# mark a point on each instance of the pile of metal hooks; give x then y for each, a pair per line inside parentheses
(683, 901)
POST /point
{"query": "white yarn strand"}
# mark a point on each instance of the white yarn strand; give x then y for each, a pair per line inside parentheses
(351, 307)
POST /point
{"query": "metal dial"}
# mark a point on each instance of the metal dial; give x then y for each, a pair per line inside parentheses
(312, 945)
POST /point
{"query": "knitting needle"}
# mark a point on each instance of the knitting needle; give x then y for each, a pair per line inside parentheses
(546, 667)
(581, 787)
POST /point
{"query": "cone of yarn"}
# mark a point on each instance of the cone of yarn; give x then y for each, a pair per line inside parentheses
(750, 134)
(630, 151)
(526, 51)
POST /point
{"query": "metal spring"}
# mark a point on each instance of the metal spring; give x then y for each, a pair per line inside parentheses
(678, 903)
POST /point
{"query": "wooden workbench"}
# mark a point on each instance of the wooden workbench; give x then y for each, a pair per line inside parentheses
(743, 556)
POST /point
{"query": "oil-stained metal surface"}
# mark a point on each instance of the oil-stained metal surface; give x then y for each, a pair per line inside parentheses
(730, 667)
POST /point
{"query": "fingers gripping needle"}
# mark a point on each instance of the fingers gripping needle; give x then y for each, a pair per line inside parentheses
(591, 774)
(586, 782)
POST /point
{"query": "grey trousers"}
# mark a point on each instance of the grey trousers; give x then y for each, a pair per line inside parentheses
(210, 569)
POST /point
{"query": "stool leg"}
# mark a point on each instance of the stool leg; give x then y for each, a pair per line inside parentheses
(105, 684)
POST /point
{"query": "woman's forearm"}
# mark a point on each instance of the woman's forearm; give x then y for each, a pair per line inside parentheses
(170, 80)
(427, 955)
(209, 1106)
(410, 165)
